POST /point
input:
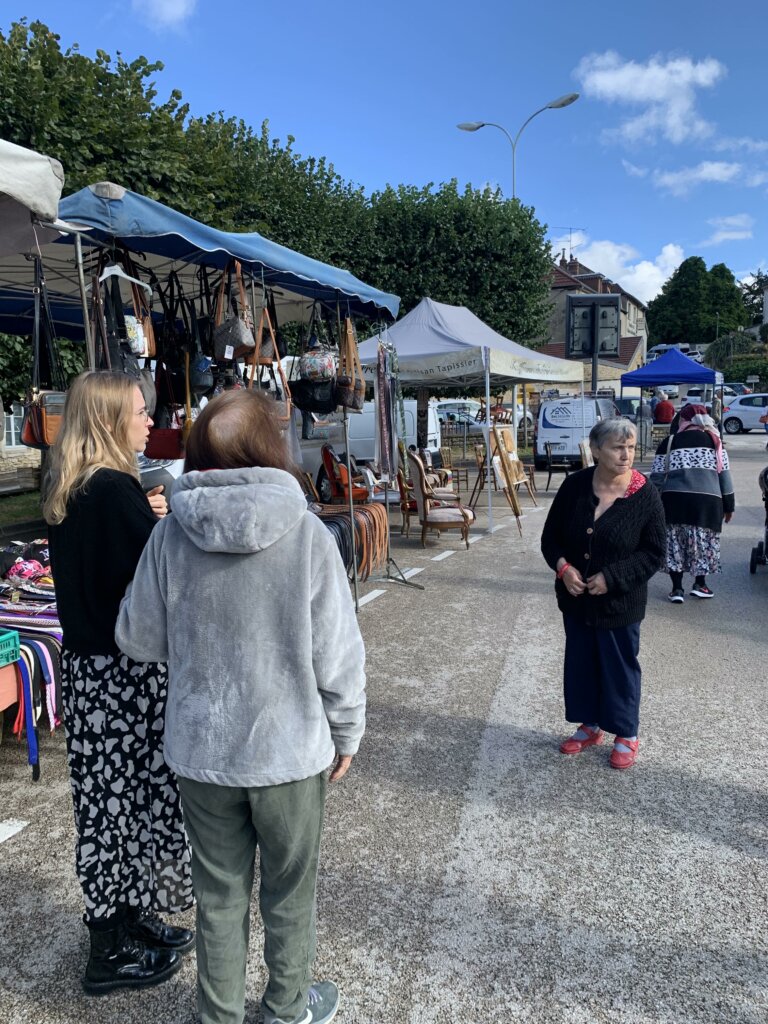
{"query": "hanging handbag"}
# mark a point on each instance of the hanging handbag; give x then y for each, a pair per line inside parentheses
(140, 327)
(166, 437)
(350, 385)
(44, 407)
(314, 395)
(281, 391)
(233, 325)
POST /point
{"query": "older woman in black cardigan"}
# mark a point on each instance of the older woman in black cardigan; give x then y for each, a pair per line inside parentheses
(604, 538)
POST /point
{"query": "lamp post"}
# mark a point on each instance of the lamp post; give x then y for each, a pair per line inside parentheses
(473, 126)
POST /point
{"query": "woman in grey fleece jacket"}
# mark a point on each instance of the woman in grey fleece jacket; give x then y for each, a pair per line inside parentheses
(243, 593)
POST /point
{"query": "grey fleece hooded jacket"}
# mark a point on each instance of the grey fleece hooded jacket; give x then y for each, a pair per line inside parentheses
(243, 592)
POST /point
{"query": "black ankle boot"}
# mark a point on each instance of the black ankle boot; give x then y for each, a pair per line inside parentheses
(148, 928)
(119, 961)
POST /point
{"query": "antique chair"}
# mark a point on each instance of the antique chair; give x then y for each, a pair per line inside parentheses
(433, 516)
(337, 475)
(515, 475)
(555, 465)
(459, 472)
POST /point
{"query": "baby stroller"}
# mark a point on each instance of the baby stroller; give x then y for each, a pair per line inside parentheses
(758, 556)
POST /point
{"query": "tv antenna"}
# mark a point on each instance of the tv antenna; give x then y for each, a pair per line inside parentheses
(570, 230)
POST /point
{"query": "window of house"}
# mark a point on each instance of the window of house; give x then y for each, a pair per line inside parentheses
(13, 426)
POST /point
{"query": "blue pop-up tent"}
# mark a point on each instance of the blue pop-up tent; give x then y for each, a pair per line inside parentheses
(671, 368)
(166, 240)
(142, 225)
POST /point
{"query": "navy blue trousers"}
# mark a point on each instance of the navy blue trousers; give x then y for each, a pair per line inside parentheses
(601, 676)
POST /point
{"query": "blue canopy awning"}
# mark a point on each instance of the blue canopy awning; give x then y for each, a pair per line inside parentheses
(142, 225)
(671, 368)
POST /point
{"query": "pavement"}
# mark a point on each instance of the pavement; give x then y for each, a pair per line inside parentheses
(470, 873)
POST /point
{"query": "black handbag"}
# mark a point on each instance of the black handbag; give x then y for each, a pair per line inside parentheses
(44, 407)
(314, 395)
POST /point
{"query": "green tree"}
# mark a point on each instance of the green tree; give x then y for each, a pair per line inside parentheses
(726, 307)
(752, 290)
(695, 304)
(103, 119)
(720, 353)
(680, 312)
(463, 248)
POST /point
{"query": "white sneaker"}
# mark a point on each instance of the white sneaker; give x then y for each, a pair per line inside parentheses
(322, 1006)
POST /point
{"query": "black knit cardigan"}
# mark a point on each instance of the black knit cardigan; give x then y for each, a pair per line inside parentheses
(627, 544)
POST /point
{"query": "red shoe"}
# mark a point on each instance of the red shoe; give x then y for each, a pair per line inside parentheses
(624, 759)
(574, 746)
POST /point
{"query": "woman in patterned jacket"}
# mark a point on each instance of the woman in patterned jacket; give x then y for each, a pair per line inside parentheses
(132, 854)
(691, 468)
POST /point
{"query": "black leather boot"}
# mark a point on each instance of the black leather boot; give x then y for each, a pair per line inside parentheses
(147, 927)
(118, 960)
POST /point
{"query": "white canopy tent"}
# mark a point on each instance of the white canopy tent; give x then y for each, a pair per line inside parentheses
(30, 189)
(443, 346)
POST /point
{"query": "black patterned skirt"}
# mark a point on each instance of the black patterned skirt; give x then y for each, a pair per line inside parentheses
(131, 848)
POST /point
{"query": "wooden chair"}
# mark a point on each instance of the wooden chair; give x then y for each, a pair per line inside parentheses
(433, 516)
(555, 465)
(459, 472)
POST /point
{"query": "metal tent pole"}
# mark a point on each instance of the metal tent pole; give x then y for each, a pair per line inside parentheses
(488, 465)
(89, 347)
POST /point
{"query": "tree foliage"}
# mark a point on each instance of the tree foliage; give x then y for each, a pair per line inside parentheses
(103, 119)
(752, 295)
(720, 353)
(696, 304)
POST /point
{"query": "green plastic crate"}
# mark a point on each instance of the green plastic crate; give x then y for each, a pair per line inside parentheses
(9, 646)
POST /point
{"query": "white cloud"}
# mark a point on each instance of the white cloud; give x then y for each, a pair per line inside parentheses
(757, 179)
(665, 87)
(619, 262)
(633, 170)
(164, 13)
(745, 143)
(708, 171)
(730, 229)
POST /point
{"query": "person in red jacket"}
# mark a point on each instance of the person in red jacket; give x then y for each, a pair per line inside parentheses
(664, 411)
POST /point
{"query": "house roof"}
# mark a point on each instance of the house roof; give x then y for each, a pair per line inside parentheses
(574, 274)
(627, 351)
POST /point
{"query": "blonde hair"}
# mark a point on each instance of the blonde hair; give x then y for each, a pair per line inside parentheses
(93, 435)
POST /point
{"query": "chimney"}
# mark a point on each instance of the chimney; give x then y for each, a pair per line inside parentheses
(563, 260)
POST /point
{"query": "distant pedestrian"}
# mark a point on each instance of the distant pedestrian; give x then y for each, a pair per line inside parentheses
(692, 471)
(243, 593)
(664, 411)
(604, 539)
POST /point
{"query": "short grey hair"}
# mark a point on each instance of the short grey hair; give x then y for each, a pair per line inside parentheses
(616, 427)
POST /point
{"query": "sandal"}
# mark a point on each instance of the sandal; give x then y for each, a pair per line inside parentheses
(575, 746)
(624, 758)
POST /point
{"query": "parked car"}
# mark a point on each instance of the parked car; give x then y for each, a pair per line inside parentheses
(702, 394)
(738, 389)
(447, 407)
(564, 422)
(457, 424)
(742, 414)
(671, 390)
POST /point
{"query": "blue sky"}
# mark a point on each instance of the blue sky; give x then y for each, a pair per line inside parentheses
(664, 156)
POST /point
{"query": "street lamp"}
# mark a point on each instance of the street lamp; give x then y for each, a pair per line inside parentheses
(473, 126)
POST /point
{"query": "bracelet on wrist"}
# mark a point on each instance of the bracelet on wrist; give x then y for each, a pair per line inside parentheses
(563, 569)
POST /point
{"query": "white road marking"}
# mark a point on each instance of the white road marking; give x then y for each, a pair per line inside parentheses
(412, 572)
(442, 555)
(370, 597)
(10, 827)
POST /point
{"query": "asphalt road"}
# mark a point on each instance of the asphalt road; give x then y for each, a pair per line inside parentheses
(470, 872)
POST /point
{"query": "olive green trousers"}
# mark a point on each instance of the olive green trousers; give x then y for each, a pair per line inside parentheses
(226, 826)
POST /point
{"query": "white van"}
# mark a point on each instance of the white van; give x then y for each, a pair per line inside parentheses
(566, 421)
(362, 437)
